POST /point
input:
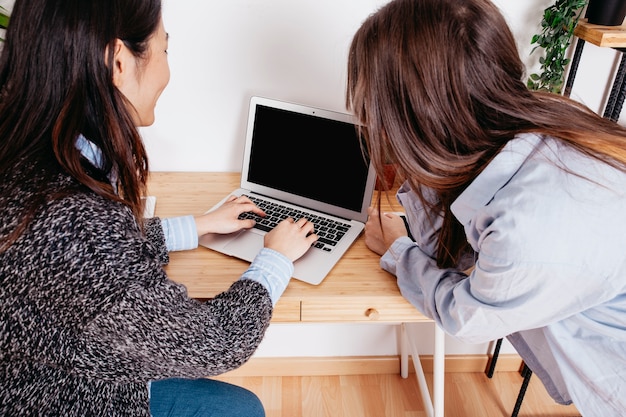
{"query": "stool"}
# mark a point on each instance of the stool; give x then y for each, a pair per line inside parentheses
(525, 372)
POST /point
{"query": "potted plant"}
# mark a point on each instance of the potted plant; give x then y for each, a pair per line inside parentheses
(4, 19)
(606, 12)
(557, 28)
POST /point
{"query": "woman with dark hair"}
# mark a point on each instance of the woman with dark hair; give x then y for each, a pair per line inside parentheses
(89, 322)
(528, 188)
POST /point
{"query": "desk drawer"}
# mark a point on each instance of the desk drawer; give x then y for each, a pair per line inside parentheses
(394, 310)
(286, 311)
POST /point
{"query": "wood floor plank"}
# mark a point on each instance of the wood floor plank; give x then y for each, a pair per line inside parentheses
(398, 391)
(364, 395)
(319, 396)
(467, 394)
(291, 397)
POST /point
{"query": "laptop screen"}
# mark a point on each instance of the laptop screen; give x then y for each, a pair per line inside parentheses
(313, 157)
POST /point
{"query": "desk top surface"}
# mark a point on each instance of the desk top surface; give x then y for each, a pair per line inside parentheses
(357, 289)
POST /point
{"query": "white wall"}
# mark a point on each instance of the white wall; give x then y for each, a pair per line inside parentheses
(223, 52)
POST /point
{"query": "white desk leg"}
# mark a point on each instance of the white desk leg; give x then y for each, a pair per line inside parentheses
(408, 345)
(439, 372)
(404, 352)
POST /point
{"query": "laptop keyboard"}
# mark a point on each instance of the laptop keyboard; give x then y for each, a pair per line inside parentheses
(329, 231)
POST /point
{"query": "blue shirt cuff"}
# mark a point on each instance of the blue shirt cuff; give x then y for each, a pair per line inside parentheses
(390, 258)
(180, 233)
(271, 269)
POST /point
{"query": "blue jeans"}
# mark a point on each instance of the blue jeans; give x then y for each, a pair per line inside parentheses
(178, 397)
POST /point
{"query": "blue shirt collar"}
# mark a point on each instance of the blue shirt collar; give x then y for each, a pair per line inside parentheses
(90, 151)
(94, 155)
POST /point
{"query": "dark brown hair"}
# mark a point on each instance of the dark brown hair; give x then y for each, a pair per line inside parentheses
(438, 86)
(56, 83)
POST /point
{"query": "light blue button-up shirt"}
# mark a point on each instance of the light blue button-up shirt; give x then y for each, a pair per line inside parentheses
(548, 226)
(270, 268)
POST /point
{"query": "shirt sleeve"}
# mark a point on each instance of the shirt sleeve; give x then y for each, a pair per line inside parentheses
(513, 287)
(424, 225)
(180, 233)
(271, 269)
(421, 282)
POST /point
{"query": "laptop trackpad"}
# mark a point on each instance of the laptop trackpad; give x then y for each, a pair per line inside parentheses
(246, 246)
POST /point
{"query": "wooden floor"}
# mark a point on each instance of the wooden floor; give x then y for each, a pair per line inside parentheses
(466, 395)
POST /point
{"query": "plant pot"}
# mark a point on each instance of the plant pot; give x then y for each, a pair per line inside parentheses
(606, 12)
(389, 178)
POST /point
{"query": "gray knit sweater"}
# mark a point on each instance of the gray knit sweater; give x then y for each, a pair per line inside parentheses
(88, 316)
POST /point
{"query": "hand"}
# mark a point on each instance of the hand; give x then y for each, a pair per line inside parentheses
(291, 238)
(224, 219)
(382, 231)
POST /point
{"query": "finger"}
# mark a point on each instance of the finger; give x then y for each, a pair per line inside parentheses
(390, 215)
(231, 198)
(243, 199)
(311, 239)
(307, 226)
(256, 210)
(244, 205)
(247, 223)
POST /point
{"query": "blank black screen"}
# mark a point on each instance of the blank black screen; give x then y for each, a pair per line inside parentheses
(310, 156)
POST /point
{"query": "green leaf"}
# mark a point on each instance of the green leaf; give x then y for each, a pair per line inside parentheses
(4, 18)
(557, 28)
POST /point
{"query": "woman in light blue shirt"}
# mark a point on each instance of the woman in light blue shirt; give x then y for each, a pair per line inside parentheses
(516, 199)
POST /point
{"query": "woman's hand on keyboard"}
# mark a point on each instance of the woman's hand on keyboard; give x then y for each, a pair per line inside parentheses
(224, 219)
(291, 238)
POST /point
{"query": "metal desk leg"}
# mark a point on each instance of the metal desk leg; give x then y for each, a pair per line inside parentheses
(434, 407)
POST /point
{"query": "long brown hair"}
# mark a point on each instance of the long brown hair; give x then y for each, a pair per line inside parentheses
(438, 86)
(56, 83)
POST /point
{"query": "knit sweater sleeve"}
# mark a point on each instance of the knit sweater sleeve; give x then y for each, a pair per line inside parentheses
(154, 233)
(137, 324)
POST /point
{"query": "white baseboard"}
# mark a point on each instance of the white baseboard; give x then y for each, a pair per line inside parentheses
(361, 365)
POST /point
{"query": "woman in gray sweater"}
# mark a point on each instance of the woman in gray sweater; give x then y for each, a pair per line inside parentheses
(90, 325)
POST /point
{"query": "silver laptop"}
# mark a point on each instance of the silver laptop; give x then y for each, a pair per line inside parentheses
(309, 161)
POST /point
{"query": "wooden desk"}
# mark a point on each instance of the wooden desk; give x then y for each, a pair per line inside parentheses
(356, 290)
